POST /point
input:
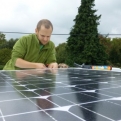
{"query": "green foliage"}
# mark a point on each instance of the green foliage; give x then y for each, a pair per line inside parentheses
(2, 39)
(5, 49)
(1, 67)
(115, 52)
(61, 53)
(106, 42)
(8, 44)
(5, 55)
(83, 45)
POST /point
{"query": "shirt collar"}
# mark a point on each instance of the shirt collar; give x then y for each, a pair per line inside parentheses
(47, 46)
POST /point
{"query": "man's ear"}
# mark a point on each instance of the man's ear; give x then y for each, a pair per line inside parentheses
(36, 31)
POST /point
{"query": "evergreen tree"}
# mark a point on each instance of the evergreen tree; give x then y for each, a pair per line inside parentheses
(83, 45)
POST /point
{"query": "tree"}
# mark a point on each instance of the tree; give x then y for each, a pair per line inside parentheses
(83, 44)
(11, 43)
(2, 38)
(5, 55)
(61, 53)
(8, 44)
(106, 42)
(115, 52)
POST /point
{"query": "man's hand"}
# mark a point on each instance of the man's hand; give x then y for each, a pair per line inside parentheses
(53, 65)
(40, 66)
(25, 64)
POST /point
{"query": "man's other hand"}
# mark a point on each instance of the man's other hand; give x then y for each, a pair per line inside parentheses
(53, 65)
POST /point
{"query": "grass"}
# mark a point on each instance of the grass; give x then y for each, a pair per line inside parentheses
(1, 67)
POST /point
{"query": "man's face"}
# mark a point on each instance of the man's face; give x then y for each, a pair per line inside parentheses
(44, 34)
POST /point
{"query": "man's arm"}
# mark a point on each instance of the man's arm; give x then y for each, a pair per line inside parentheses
(25, 64)
(51, 60)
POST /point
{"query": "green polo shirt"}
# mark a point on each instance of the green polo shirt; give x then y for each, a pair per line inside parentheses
(29, 49)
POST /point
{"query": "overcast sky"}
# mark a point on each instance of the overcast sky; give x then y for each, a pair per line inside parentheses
(23, 15)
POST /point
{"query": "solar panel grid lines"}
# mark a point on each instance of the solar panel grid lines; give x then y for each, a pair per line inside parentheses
(99, 114)
(34, 104)
(68, 111)
(2, 115)
(59, 95)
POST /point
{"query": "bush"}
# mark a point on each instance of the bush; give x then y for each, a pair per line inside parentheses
(1, 67)
(5, 55)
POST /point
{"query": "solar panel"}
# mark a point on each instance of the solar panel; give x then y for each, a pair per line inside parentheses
(71, 94)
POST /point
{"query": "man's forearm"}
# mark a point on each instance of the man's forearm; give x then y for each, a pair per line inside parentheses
(24, 64)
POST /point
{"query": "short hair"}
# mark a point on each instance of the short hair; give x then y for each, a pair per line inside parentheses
(47, 24)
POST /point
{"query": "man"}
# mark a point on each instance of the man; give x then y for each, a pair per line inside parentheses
(34, 51)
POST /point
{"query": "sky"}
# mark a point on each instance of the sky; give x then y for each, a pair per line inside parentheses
(23, 16)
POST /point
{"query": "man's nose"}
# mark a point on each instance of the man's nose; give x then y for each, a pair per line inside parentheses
(45, 38)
